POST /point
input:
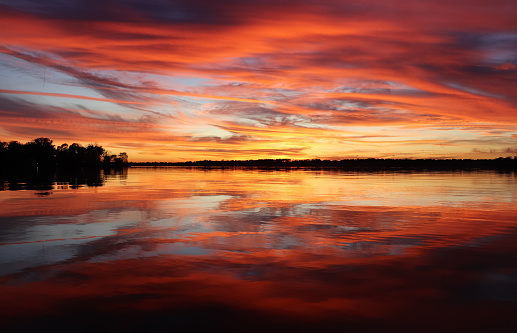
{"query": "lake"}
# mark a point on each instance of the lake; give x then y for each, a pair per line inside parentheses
(180, 249)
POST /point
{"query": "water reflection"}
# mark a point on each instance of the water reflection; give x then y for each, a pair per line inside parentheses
(303, 250)
(47, 180)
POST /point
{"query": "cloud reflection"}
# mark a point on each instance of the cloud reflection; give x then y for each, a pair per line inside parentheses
(297, 249)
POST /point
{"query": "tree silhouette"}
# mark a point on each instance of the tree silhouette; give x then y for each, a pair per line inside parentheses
(42, 153)
(122, 158)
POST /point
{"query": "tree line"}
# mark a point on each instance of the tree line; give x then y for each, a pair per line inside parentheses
(42, 153)
(359, 164)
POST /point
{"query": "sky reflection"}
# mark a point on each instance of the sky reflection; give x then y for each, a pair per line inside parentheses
(313, 247)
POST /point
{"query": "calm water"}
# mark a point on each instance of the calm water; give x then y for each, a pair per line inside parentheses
(174, 249)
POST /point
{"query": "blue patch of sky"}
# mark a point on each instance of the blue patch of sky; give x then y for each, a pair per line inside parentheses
(471, 90)
(18, 74)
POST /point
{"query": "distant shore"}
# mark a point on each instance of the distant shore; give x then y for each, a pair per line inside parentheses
(42, 156)
(501, 163)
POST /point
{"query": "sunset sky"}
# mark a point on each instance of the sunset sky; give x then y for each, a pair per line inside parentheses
(189, 79)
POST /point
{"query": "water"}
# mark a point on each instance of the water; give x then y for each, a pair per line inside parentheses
(177, 249)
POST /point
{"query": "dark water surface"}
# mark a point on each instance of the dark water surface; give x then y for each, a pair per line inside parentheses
(175, 250)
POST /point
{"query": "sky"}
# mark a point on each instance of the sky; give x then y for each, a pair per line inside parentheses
(187, 80)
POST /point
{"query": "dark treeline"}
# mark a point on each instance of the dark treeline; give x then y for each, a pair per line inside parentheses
(501, 163)
(42, 154)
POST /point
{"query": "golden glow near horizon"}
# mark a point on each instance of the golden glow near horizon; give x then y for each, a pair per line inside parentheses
(247, 80)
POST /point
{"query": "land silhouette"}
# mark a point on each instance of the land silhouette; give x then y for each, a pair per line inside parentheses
(41, 153)
(39, 165)
(367, 164)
